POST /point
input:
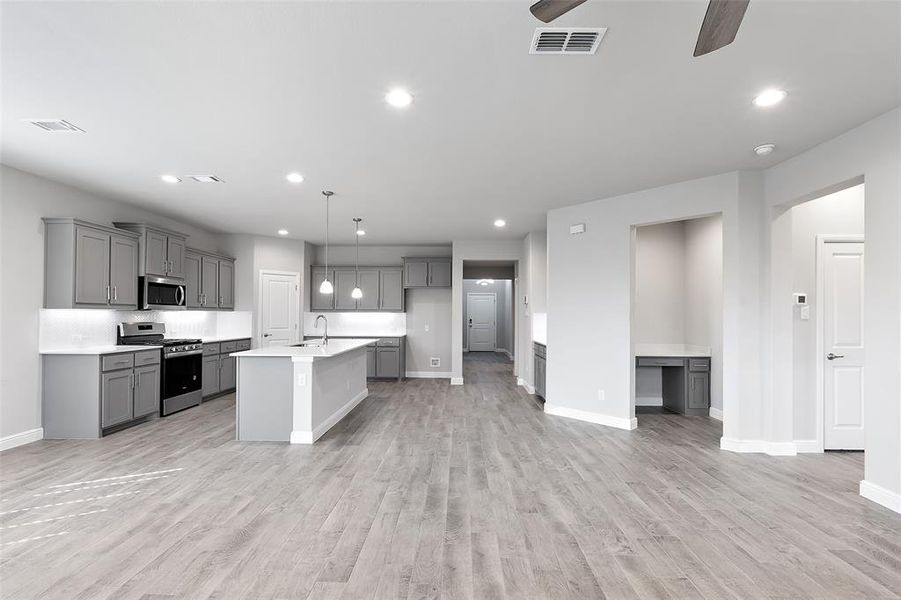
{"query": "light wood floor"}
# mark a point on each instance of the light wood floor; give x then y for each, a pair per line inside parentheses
(432, 491)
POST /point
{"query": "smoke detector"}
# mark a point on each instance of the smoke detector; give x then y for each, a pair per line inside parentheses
(566, 40)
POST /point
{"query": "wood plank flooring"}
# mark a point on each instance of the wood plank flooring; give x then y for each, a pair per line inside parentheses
(432, 491)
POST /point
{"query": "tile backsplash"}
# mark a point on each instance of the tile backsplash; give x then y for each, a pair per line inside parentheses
(63, 328)
(374, 324)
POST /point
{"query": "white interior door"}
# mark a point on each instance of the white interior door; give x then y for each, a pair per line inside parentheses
(279, 308)
(482, 322)
(843, 346)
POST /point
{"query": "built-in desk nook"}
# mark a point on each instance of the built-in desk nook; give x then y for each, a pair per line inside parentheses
(685, 380)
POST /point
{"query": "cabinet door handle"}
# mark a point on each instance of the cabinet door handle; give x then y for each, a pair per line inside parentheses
(115, 292)
(220, 301)
(107, 295)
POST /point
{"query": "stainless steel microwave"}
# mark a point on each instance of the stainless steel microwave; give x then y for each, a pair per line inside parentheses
(161, 293)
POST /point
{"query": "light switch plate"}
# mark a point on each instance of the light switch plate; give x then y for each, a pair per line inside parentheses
(805, 313)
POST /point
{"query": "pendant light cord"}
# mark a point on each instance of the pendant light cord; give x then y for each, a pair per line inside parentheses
(357, 259)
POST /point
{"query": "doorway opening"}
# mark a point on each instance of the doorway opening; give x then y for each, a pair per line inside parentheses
(677, 317)
(828, 349)
(489, 321)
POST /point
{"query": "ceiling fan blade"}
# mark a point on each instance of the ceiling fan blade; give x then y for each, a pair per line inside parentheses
(721, 23)
(548, 10)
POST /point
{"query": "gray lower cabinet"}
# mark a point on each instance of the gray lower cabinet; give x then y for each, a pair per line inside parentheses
(685, 382)
(540, 371)
(385, 359)
(90, 395)
(370, 361)
(387, 363)
(89, 266)
(382, 287)
(220, 371)
(427, 272)
(116, 397)
(698, 391)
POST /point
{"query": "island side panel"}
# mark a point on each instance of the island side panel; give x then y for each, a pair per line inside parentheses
(71, 396)
(339, 384)
(265, 398)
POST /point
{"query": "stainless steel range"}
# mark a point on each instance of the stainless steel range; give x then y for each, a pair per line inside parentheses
(181, 382)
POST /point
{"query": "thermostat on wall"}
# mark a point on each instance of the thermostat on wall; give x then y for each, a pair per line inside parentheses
(800, 298)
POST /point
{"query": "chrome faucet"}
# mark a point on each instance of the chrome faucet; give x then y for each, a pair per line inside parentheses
(325, 333)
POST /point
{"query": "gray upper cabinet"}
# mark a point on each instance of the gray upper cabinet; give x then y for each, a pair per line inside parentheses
(382, 289)
(123, 270)
(193, 263)
(369, 285)
(209, 280)
(439, 274)
(89, 266)
(427, 272)
(416, 273)
(321, 301)
(391, 289)
(116, 401)
(344, 282)
(161, 252)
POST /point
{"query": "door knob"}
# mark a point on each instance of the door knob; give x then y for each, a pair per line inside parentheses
(832, 356)
(266, 334)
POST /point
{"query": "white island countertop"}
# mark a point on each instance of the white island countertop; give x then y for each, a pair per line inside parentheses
(335, 347)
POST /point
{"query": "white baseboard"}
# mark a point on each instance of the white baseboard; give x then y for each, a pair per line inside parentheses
(648, 401)
(429, 374)
(716, 413)
(525, 385)
(507, 352)
(456, 380)
(308, 437)
(808, 446)
(759, 446)
(591, 417)
(880, 495)
(20, 439)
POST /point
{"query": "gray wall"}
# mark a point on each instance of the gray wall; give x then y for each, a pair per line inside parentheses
(503, 290)
(659, 284)
(839, 213)
(24, 199)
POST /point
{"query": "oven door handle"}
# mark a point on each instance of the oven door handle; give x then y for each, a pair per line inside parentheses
(180, 295)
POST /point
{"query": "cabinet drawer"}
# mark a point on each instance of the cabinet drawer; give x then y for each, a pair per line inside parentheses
(660, 362)
(210, 349)
(390, 342)
(148, 357)
(111, 362)
(227, 347)
(698, 364)
(243, 345)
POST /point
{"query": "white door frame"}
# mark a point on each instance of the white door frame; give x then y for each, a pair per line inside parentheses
(258, 334)
(822, 240)
(469, 333)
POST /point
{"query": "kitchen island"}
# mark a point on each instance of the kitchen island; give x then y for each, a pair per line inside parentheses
(297, 393)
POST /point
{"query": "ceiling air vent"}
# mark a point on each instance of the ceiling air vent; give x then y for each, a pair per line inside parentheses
(566, 40)
(55, 125)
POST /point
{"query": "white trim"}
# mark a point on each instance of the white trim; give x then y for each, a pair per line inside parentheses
(880, 495)
(808, 446)
(505, 351)
(20, 439)
(296, 303)
(759, 446)
(308, 437)
(467, 317)
(823, 239)
(591, 417)
(429, 374)
(648, 400)
(716, 413)
(456, 381)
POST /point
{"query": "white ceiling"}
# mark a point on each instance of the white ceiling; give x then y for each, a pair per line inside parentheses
(251, 91)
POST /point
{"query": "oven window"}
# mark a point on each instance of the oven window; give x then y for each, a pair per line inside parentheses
(162, 293)
(182, 375)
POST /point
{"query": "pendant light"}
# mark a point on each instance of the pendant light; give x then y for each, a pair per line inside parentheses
(357, 293)
(326, 286)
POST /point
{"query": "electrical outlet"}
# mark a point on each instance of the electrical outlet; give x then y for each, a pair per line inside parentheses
(435, 361)
(301, 380)
(601, 396)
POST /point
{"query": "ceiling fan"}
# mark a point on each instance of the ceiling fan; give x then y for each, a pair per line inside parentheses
(720, 25)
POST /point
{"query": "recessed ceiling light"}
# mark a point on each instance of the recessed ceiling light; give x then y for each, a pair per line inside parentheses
(283, 232)
(206, 178)
(399, 98)
(170, 178)
(764, 149)
(500, 223)
(294, 177)
(770, 97)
